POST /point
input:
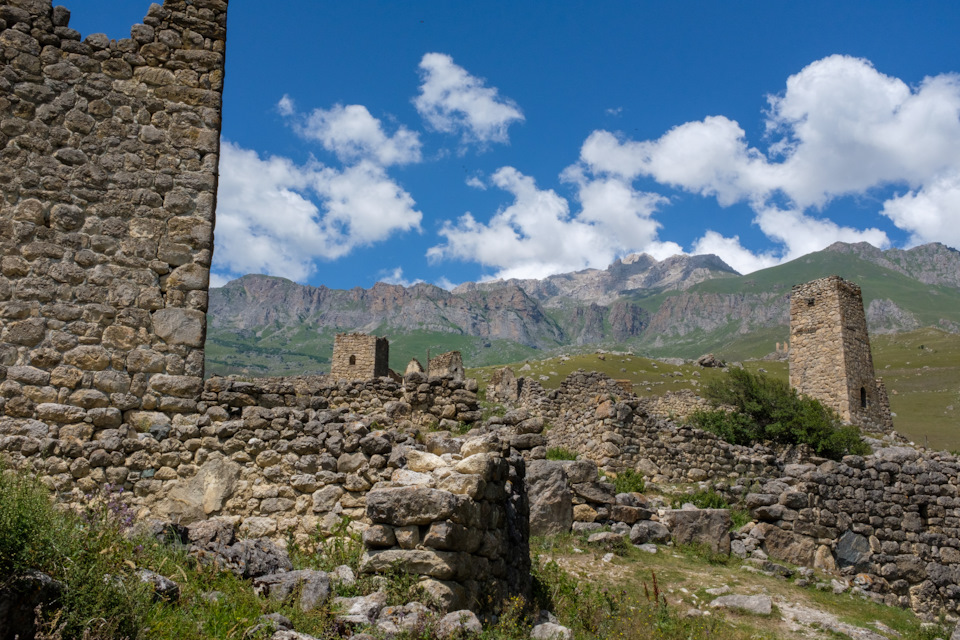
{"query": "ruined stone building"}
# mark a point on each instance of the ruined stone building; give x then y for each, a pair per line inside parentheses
(108, 180)
(829, 352)
(358, 356)
(447, 364)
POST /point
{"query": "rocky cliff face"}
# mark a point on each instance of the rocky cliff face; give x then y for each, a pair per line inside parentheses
(515, 310)
(932, 263)
(634, 272)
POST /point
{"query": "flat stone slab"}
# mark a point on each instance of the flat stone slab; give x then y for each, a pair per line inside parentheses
(759, 605)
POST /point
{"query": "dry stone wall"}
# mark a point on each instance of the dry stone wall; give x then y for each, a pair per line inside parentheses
(108, 170)
(285, 457)
(889, 521)
(592, 415)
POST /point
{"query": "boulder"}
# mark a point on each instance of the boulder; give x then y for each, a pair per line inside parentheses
(788, 546)
(551, 631)
(853, 550)
(203, 495)
(759, 605)
(251, 558)
(312, 586)
(703, 526)
(163, 588)
(361, 609)
(648, 531)
(457, 624)
(551, 501)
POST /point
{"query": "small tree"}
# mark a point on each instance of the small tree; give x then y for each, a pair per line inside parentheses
(766, 409)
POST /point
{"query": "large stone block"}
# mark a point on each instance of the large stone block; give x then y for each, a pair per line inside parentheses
(551, 501)
(401, 506)
(180, 326)
(701, 526)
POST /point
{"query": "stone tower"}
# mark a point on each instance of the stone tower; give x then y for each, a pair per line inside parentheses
(108, 181)
(358, 356)
(830, 352)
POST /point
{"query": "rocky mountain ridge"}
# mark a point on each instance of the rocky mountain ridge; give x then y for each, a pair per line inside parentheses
(682, 306)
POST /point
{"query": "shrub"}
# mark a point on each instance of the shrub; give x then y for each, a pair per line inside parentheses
(629, 481)
(704, 499)
(559, 453)
(768, 409)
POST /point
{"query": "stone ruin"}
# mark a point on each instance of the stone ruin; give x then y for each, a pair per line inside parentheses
(447, 364)
(109, 175)
(358, 356)
(109, 167)
(829, 352)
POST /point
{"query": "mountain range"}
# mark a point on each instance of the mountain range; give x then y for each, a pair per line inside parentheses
(683, 306)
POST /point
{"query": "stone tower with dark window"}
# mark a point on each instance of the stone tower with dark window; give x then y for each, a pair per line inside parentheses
(829, 353)
(358, 356)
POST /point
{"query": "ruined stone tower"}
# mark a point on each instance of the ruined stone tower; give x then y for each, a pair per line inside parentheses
(358, 356)
(829, 352)
(108, 183)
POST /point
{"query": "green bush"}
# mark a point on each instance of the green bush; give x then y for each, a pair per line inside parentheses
(559, 453)
(766, 409)
(704, 499)
(629, 481)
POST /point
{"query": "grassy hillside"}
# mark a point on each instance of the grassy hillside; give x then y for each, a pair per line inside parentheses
(921, 370)
(278, 351)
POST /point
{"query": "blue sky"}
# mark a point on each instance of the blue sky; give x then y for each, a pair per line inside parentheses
(453, 141)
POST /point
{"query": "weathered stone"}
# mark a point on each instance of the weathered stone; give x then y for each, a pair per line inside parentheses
(853, 550)
(648, 531)
(759, 605)
(788, 546)
(202, 495)
(458, 624)
(409, 505)
(443, 565)
(180, 326)
(313, 587)
(703, 526)
(551, 501)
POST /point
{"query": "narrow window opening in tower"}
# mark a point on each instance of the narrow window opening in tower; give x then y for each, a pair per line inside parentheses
(863, 398)
(353, 360)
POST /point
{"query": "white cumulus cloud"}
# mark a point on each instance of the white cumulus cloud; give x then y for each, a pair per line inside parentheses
(537, 236)
(839, 128)
(353, 134)
(452, 100)
(268, 221)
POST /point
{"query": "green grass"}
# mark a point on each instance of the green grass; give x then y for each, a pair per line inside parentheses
(559, 453)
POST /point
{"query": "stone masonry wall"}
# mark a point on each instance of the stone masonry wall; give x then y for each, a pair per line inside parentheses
(594, 416)
(829, 352)
(447, 364)
(358, 356)
(890, 521)
(108, 170)
(284, 457)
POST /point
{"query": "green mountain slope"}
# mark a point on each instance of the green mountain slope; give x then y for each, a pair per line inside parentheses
(270, 326)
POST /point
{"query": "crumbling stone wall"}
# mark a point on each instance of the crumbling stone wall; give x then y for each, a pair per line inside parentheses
(108, 171)
(279, 457)
(829, 352)
(594, 416)
(447, 364)
(358, 356)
